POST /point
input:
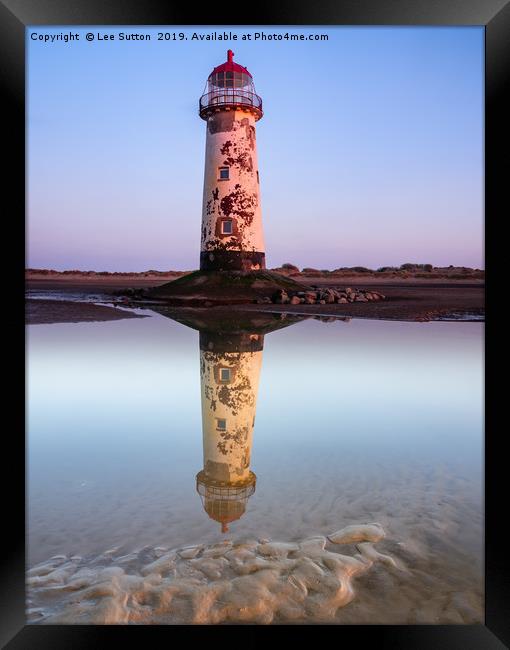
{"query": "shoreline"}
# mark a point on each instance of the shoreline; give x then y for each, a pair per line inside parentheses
(412, 299)
(410, 302)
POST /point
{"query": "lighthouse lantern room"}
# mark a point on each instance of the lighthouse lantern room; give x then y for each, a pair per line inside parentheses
(232, 237)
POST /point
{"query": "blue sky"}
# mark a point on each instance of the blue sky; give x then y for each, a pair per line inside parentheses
(370, 148)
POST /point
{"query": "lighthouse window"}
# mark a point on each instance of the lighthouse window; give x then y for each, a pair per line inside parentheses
(226, 227)
(221, 424)
(225, 374)
(224, 173)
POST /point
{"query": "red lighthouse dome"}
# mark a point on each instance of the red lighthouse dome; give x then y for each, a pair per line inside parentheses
(230, 87)
(230, 66)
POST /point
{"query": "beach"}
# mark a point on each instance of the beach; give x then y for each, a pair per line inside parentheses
(412, 298)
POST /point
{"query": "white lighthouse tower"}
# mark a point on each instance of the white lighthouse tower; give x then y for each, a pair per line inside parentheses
(232, 237)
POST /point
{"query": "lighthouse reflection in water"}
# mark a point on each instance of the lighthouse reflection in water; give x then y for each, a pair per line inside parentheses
(230, 365)
(229, 377)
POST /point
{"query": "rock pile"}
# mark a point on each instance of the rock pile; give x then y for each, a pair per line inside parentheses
(321, 297)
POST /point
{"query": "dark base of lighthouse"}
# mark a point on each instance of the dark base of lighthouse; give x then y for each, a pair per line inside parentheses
(219, 260)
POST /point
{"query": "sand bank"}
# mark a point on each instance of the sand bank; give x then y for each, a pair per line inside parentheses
(406, 298)
(42, 311)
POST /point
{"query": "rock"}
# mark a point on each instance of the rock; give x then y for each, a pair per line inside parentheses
(328, 295)
(360, 298)
(280, 297)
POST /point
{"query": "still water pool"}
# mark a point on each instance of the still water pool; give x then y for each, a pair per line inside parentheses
(147, 435)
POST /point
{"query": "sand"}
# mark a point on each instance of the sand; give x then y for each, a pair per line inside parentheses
(406, 299)
(341, 578)
(249, 581)
(40, 311)
(429, 523)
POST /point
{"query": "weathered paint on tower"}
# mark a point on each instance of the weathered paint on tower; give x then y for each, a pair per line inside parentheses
(232, 236)
(229, 377)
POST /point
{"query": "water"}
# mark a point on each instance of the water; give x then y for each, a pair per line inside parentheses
(73, 296)
(356, 422)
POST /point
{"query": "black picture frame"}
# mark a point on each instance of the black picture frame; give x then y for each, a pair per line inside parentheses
(15, 16)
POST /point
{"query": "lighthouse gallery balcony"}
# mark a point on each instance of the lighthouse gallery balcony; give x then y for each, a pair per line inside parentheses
(229, 98)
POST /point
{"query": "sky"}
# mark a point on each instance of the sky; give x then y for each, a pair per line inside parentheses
(370, 148)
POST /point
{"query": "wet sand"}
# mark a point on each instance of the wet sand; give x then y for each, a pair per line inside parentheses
(40, 311)
(411, 299)
(433, 530)
(414, 303)
(306, 579)
(95, 283)
(336, 578)
(251, 581)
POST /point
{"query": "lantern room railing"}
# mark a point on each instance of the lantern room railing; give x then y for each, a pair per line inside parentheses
(231, 98)
(226, 493)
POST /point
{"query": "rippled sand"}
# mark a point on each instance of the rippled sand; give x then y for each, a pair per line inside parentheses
(255, 581)
(243, 581)
(433, 525)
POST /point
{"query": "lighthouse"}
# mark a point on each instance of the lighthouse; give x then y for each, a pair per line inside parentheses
(229, 376)
(232, 237)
